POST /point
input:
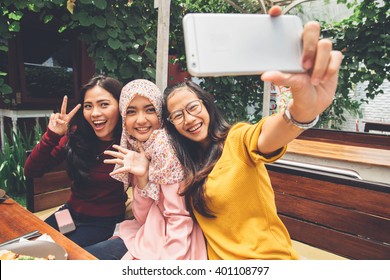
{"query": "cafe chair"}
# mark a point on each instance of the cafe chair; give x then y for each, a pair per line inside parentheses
(49, 191)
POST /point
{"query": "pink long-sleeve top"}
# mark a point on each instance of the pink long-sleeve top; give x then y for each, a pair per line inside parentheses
(163, 228)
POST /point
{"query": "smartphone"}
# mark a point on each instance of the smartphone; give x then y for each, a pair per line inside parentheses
(65, 221)
(242, 44)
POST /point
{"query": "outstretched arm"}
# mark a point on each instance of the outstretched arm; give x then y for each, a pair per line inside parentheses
(50, 150)
(313, 91)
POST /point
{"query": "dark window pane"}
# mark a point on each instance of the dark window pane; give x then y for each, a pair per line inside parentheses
(47, 64)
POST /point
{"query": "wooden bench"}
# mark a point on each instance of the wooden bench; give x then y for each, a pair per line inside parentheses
(341, 152)
(367, 154)
(376, 126)
(50, 190)
(342, 215)
(359, 139)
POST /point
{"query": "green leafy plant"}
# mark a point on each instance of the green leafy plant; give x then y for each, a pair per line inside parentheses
(365, 42)
(13, 157)
(122, 39)
(122, 36)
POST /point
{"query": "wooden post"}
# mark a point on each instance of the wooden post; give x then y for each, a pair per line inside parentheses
(266, 99)
(162, 42)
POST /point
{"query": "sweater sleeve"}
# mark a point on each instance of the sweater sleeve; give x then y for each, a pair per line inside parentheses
(141, 206)
(179, 225)
(49, 152)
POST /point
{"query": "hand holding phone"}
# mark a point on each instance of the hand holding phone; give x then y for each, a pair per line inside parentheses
(242, 44)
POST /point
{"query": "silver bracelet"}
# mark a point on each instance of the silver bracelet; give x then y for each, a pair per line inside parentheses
(301, 126)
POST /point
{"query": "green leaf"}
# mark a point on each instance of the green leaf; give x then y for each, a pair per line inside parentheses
(14, 27)
(6, 89)
(114, 44)
(135, 57)
(131, 36)
(102, 36)
(47, 18)
(86, 20)
(151, 72)
(100, 21)
(111, 64)
(135, 46)
(113, 33)
(17, 15)
(100, 4)
(125, 71)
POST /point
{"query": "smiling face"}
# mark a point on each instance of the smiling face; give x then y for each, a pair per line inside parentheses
(192, 127)
(101, 110)
(141, 118)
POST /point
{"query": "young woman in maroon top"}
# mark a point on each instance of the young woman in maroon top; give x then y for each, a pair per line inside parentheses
(97, 201)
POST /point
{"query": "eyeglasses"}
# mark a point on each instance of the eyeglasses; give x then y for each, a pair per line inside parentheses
(193, 108)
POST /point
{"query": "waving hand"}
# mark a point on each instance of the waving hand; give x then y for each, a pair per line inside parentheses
(130, 161)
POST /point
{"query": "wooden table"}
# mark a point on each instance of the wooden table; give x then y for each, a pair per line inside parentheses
(16, 220)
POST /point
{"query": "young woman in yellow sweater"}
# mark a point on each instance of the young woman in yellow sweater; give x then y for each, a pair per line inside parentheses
(228, 188)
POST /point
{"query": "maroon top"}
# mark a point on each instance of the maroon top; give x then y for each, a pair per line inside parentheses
(101, 196)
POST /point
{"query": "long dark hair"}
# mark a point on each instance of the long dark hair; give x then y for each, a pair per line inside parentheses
(83, 142)
(196, 161)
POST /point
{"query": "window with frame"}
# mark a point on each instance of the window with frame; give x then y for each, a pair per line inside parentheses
(48, 69)
(44, 65)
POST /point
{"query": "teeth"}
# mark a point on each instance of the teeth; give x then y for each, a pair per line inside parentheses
(99, 122)
(194, 128)
(142, 128)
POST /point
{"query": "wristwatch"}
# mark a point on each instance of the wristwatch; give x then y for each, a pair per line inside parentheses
(301, 126)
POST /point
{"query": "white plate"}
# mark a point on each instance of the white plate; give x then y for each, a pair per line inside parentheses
(39, 249)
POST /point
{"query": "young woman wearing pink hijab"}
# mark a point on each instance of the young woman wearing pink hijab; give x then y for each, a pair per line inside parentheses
(163, 227)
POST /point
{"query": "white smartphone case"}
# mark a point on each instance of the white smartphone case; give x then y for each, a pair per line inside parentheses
(242, 44)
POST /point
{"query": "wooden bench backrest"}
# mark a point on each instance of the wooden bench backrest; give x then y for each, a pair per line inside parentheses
(347, 217)
(48, 191)
(360, 139)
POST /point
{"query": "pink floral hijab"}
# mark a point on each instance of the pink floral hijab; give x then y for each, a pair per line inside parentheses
(164, 167)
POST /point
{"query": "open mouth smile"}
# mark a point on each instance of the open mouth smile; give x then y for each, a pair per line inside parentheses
(194, 128)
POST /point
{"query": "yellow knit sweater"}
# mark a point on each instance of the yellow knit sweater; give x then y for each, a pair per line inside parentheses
(240, 194)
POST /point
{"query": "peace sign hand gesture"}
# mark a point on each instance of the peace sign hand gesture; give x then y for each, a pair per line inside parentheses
(58, 122)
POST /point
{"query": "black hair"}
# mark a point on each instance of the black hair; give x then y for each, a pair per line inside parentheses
(83, 143)
(197, 162)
